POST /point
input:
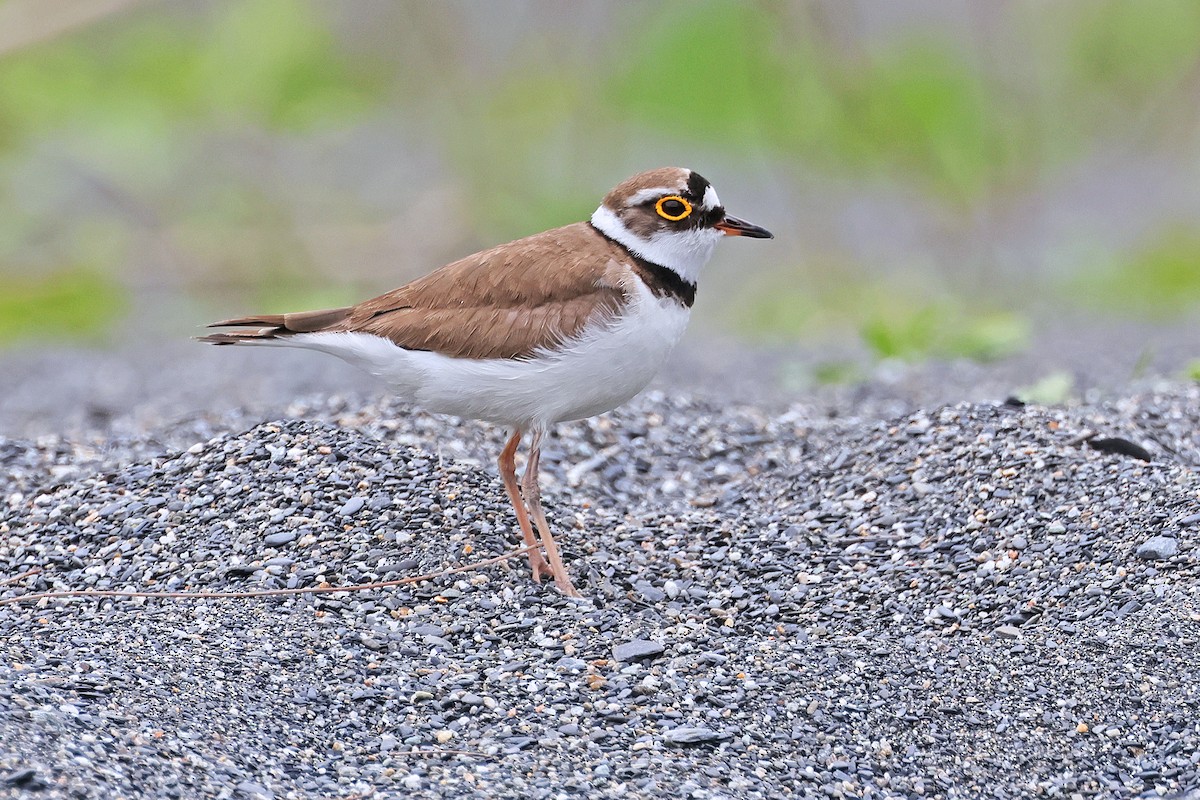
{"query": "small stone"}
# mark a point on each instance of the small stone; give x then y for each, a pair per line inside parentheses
(443, 736)
(519, 742)
(691, 735)
(649, 592)
(637, 650)
(1158, 548)
(254, 791)
(352, 506)
(571, 664)
(25, 778)
(1008, 632)
(278, 539)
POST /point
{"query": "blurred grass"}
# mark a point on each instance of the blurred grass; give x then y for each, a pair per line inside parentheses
(1160, 279)
(1123, 47)
(949, 330)
(180, 120)
(916, 108)
(72, 304)
(1051, 389)
(268, 62)
(900, 319)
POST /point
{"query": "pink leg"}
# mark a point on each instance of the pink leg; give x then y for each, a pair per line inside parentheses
(533, 497)
(508, 473)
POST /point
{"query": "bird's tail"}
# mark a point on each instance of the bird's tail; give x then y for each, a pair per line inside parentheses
(273, 327)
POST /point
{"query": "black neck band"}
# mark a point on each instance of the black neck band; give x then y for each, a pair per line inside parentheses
(663, 281)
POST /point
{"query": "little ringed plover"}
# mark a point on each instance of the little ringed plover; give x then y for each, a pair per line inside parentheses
(557, 326)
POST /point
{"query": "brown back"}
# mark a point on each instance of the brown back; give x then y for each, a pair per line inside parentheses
(506, 302)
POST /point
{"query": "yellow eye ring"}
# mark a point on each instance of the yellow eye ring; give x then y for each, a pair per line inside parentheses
(678, 215)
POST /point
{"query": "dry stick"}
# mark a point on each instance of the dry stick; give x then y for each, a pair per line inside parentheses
(15, 578)
(358, 587)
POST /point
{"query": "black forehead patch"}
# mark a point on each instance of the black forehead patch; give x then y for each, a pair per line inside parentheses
(697, 186)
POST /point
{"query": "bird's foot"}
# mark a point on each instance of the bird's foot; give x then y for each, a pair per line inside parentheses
(564, 585)
(538, 566)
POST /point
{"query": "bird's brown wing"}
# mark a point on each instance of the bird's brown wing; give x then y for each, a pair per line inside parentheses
(506, 302)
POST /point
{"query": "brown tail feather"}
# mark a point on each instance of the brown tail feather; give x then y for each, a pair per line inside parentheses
(274, 326)
(265, 320)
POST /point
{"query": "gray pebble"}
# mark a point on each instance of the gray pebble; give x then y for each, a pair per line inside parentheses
(254, 791)
(692, 735)
(1158, 548)
(352, 506)
(637, 650)
(649, 592)
(825, 583)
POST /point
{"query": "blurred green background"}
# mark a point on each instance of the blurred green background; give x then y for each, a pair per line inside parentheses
(942, 177)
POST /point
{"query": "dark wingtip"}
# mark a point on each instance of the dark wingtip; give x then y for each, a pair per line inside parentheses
(234, 338)
(238, 322)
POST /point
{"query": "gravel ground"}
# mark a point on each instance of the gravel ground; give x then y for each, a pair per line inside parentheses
(838, 599)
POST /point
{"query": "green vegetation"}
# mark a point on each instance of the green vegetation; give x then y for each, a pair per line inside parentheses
(895, 320)
(829, 373)
(1128, 46)
(1049, 390)
(69, 304)
(1160, 279)
(918, 109)
(945, 331)
(271, 62)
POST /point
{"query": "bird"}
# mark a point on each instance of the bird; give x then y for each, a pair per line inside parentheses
(557, 326)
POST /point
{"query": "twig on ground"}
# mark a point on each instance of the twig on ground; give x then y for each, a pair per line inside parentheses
(23, 575)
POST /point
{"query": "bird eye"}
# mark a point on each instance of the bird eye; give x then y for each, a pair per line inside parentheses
(673, 207)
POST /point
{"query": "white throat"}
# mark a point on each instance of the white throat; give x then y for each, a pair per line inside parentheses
(683, 252)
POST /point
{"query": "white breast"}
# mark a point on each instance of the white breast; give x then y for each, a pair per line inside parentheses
(607, 364)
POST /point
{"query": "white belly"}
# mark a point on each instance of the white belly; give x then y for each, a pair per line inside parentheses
(602, 368)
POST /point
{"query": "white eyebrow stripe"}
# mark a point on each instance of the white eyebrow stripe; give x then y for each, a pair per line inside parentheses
(711, 200)
(642, 195)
